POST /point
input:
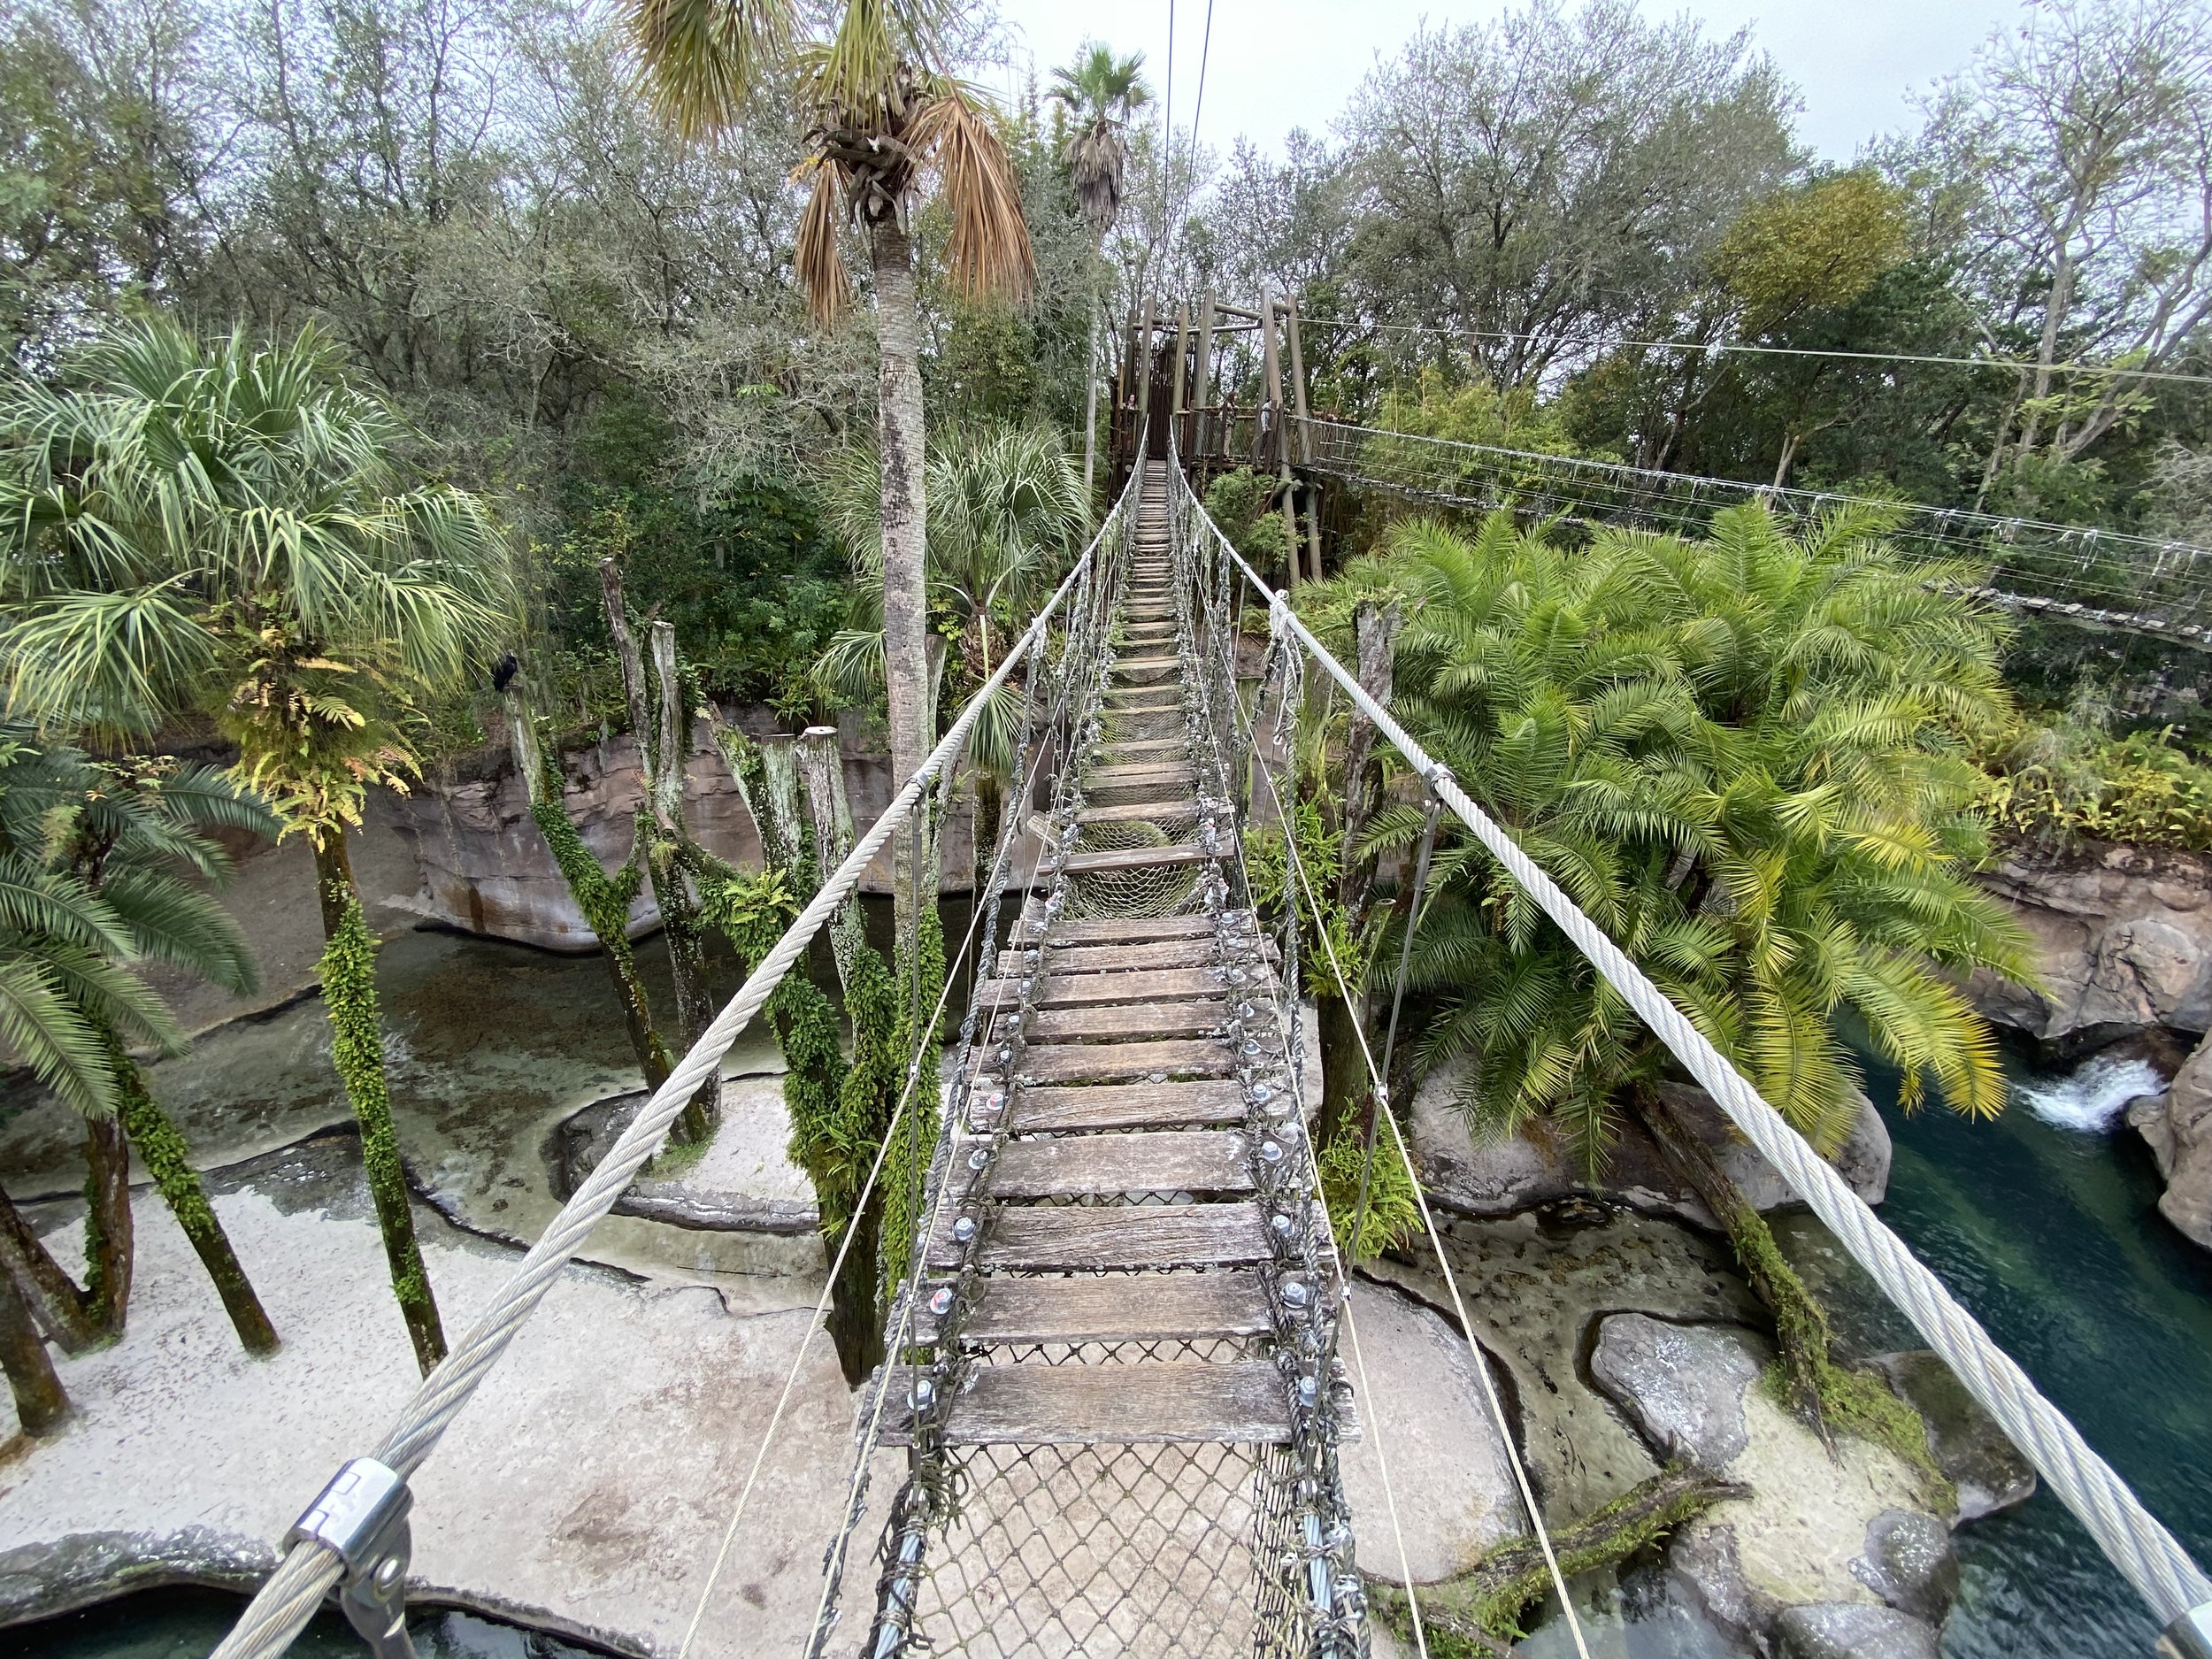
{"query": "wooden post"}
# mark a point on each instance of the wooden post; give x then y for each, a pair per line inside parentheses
(1298, 387)
(1272, 358)
(1142, 367)
(1204, 397)
(821, 764)
(1182, 348)
(1270, 418)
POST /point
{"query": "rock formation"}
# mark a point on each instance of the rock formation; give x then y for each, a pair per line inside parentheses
(2126, 938)
(2177, 1126)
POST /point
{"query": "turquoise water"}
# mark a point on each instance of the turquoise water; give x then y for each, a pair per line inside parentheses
(2051, 1236)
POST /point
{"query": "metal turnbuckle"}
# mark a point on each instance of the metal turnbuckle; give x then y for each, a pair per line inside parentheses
(361, 1518)
(2190, 1636)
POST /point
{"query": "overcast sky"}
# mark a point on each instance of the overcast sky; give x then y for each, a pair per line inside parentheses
(1279, 64)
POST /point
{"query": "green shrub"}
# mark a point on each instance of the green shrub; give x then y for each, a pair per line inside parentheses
(2068, 782)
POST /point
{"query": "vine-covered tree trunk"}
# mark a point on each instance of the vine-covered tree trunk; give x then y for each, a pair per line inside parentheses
(41, 1404)
(357, 1049)
(604, 900)
(1800, 1323)
(162, 1148)
(108, 1230)
(822, 770)
(1346, 1092)
(899, 442)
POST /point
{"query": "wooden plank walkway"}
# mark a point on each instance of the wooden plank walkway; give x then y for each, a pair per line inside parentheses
(1113, 1260)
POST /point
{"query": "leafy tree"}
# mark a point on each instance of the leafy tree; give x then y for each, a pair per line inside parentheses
(882, 108)
(222, 528)
(2082, 143)
(1746, 759)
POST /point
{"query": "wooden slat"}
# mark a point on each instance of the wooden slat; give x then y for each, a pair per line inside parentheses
(1136, 747)
(1060, 989)
(1136, 858)
(1144, 772)
(1126, 1062)
(1148, 664)
(1187, 1401)
(1072, 1166)
(1118, 1307)
(1086, 1238)
(1165, 811)
(1128, 1106)
(1128, 1022)
(1120, 930)
(1164, 953)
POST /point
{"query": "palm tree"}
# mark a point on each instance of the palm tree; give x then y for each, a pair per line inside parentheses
(1744, 757)
(883, 111)
(1099, 92)
(116, 838)
(218, 527)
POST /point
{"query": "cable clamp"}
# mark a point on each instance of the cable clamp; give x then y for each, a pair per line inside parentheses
(1436, 775)
(361, 1518)
(2190, 1636)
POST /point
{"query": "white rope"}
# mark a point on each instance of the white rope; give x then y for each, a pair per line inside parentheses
(283, 1605)
(2148, 1555)
(1292, 862)
(860, 1205)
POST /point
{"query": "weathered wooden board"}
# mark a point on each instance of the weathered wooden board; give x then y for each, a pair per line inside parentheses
(1162, 809)
(1128, 1106)
(1116, 1308)
(1126, 1062)
(1151, 1402)
(1112, 930)
(1130, 1022)
(1088, 1238)
(1060, 989)
(1161, 772)
(1140, 747)
(1136, 858)
(1072, 1166)
(1133, 665)
(1071, 961)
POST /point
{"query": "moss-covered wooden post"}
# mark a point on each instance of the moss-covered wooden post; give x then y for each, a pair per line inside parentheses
(661, 747)
(357, 1051)
(604, 899)
(821, 767)
(107, 1224)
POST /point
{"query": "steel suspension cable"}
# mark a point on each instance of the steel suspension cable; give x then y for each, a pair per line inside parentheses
(2146, 1554)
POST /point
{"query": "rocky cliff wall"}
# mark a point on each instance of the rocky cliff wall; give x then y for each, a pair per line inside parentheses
(486, 869)
(2126, 938)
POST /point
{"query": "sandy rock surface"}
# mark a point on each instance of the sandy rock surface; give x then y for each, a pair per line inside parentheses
(1816, 1530)
(1422, 1415)
(584, 1490)
(2178, 1126)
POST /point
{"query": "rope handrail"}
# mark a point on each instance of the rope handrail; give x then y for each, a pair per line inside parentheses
(287, 1598)
(2146, 1554)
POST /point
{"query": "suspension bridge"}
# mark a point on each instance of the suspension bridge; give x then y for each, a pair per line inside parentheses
(1123, 1357)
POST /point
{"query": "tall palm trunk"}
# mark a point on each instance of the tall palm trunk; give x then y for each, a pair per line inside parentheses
(905, 514)
(1090, 400)
(357, 1049)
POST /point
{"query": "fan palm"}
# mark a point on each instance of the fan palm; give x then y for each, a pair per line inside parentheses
(117, 839)
(219, 527)
(884, 113)
(1099, 92)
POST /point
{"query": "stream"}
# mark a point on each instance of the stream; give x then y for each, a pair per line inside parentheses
(2045, 1224)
